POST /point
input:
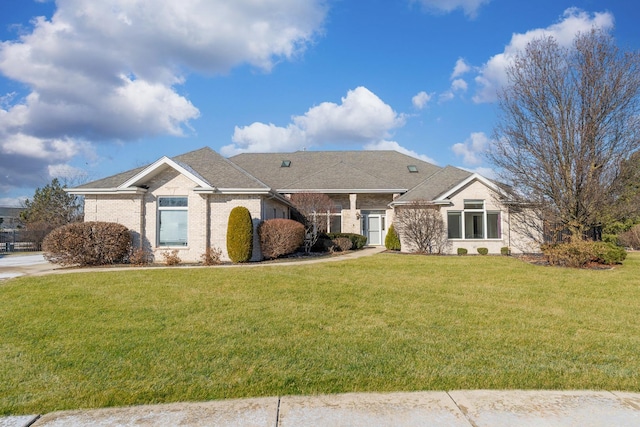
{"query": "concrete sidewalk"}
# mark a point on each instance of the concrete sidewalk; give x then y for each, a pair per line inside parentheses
(35, 265)
(452, 409)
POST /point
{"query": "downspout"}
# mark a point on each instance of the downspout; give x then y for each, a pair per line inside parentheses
(207, 222)
(142, 221)
(509, 223)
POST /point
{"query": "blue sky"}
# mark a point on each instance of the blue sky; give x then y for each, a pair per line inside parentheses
(89, 89)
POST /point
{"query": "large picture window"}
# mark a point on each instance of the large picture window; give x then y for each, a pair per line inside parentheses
(474, 222)
(172, 221)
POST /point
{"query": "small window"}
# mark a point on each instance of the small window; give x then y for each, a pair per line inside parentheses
(285, 163)
(412, 168)
(474, 204)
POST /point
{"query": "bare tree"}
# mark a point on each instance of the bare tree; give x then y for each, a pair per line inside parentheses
(421, 227)
(314, 209)
(569, 117)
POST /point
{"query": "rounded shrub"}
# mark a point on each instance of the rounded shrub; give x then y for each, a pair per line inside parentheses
(392, 241)
(342, 244)
(579, 254)
(357, 240)
(505, 250)
(609, 253)
(483, 251)
(240, 235)
(280, 237)
(462, 251)
(88, 243)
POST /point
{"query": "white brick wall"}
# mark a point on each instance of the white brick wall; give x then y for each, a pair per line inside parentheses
(124, 209)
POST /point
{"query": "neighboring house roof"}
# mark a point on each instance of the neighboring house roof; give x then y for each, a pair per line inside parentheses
(308, 170)
(10, 212)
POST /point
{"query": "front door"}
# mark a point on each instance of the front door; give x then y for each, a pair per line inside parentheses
(373, 225)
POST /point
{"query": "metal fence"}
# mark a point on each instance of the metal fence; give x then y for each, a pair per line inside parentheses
(17, 240)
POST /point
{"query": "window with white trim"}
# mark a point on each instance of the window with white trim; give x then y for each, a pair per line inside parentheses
(474, 222)
(172, 221)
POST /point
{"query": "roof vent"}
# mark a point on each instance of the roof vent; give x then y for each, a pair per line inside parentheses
(412, 168)
(285, 163)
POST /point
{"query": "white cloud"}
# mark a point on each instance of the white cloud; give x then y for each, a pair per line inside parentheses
(361, 117)
(470, 7)
(12, 201)
(421, 99)
(484, 171)
(493, 73)
(460, 68)
(393, 145)
(67, 172)
(472, 149)
(112, 69)
(459, 85)
(446, 96)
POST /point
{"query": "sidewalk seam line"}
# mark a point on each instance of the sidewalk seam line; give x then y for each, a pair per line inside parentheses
(278, 412)
(462, 411)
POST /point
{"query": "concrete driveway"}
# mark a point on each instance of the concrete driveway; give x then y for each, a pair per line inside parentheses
(20, 265)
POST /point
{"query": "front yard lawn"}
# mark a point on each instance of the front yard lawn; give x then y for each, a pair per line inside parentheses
(381, 323)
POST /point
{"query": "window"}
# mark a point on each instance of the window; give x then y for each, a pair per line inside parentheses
(454, 221)
(172, 221)
(412, 168)
(334, 220)
(474, 222)
(285, 164)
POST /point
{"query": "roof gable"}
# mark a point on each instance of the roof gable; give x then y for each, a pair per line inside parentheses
(436, 186)
(207, 169)
(158, 166)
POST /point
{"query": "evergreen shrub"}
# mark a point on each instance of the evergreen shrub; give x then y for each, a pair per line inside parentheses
(462, 251)
(483, 251)
(392, 241)
(578, 254)
(240, 235)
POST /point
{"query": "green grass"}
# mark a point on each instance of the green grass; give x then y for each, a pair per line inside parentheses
(382, 323)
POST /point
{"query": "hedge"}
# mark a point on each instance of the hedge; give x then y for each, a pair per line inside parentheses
(357, 240)
(87, 243)
(280, 237)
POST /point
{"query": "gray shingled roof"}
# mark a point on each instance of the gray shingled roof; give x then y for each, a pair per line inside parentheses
(312, 170)
(112, 181)
(349, 169)
(218, 171)
(205, 163)
(435, 185)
